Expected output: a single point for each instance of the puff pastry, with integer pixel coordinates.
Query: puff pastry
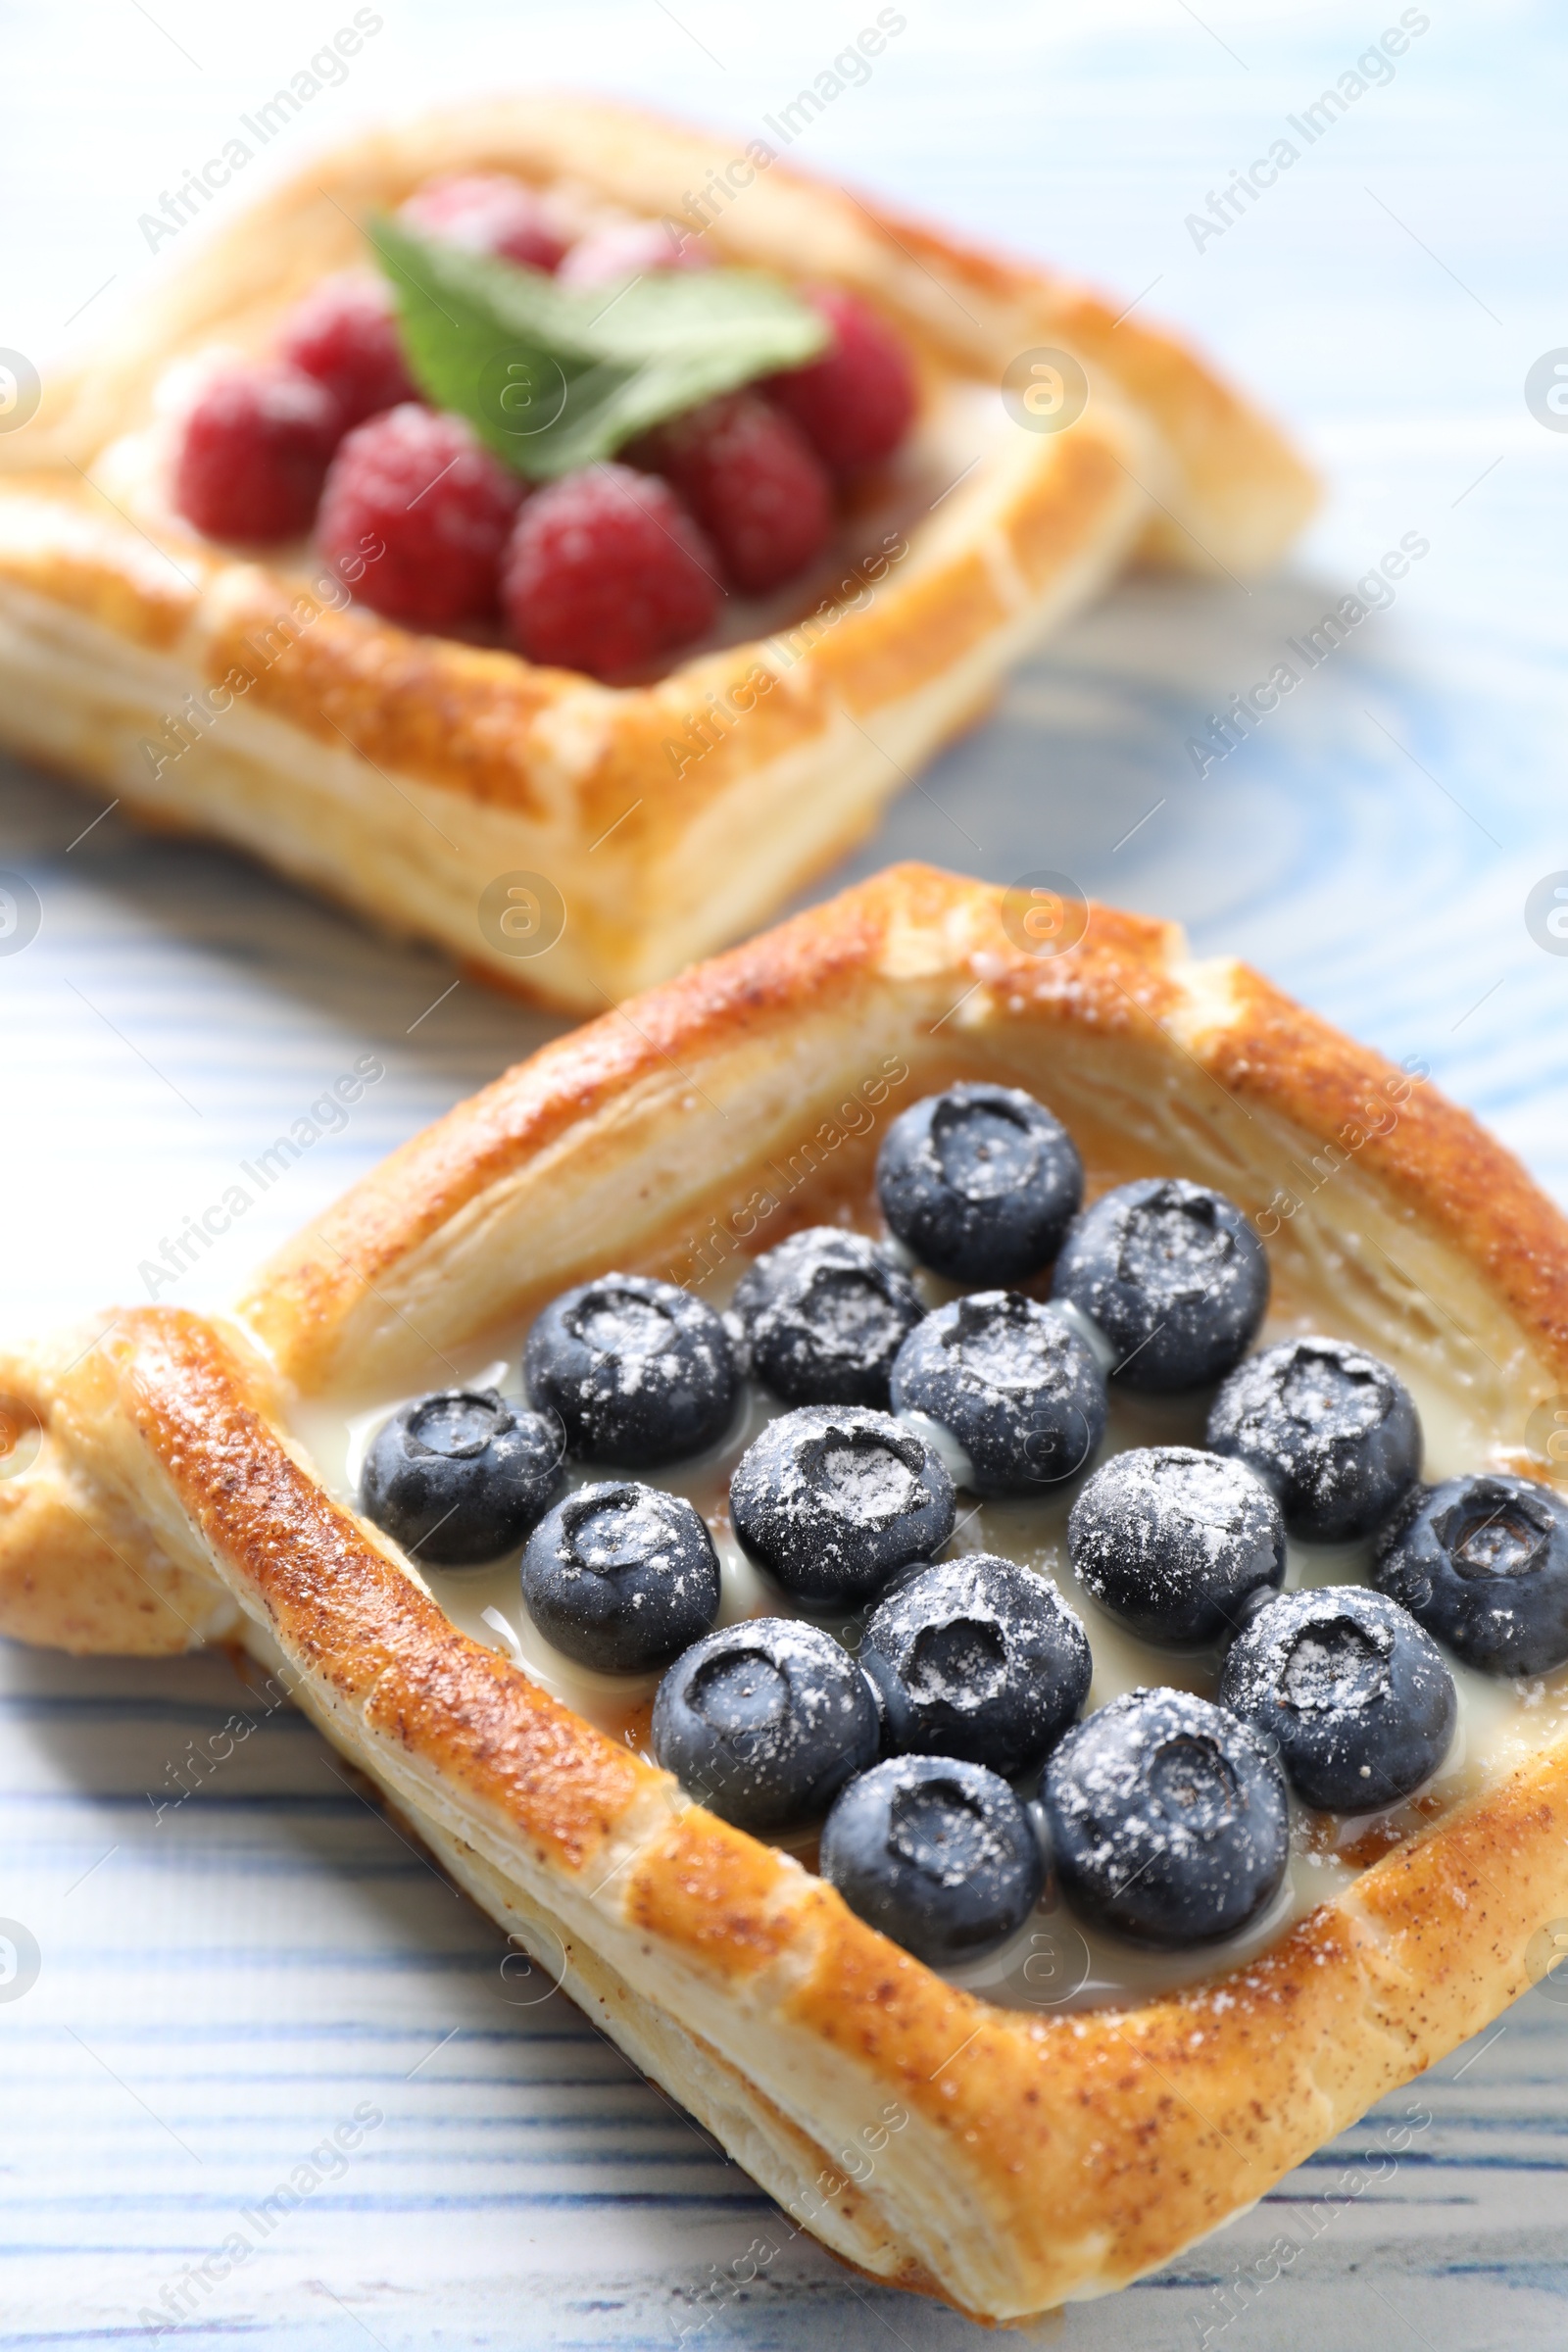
(1041, 2156)
(405, 773)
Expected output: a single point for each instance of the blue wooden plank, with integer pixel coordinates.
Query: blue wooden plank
(245, 1971)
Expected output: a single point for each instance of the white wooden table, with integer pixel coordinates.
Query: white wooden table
(224, 1983)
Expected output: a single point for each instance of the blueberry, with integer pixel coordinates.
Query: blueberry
(824, 1315)
(1332, 1430)
(831, 1502)
(764, 1722)
(460, 1476)
(1172, 1541)
(1168, 1819)
(1353, 1696)
(1483, 1561)
(640, 1373)
(1016, 1388)
(622, 1576)
(977, 1659)
(980, 1182)
(1174, 1275)
(937, 1853)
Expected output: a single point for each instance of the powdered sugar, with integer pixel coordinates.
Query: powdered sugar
(640, 1373)
(832, 1503)
(824, 1315)
(1169, 1819)
(1331, 1429)
(1173, 1540)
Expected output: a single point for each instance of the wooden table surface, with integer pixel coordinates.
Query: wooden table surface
(221, 1984)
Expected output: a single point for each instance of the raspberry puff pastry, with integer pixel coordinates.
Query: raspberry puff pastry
(408, 768)
(1052, 2128)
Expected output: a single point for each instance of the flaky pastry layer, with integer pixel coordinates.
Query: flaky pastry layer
(405, 773)
(1002, 2159)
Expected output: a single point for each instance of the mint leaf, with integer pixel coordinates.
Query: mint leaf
(552, 377)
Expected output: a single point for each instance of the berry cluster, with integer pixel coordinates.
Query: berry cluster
(610, 570)
(1164, 1815)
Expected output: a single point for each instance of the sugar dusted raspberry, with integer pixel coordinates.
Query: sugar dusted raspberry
(254, 452)
(486, 212)
(419, 487)
(857, 402)
(344, 335)
(606, 572)
(753, 482)
(630, 248)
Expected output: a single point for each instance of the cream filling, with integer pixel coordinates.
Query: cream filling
(1055, 1961)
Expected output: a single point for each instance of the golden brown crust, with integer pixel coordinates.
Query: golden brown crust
(456, 715)
(1223, 449)
(61, 544)
(1127, 986)
(1041, 2156)
(1092, 2145)
(1437, 1159)
(405, 772)
(68, 1581)
(344, 1612)
(965, 305)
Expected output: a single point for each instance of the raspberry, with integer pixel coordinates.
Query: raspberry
(255, 449)
(857, 402)
(486, 212)
(627, 249)
(605, 572)
(753, 482)
(343, 335)
(438, 505)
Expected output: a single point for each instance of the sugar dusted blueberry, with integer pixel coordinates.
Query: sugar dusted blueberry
(763, 1722)
(1172, 1274)
(1330, 1428)
(1168, 1820)
(1017, 1391)
(977, 1657)
(1172, 1542)
(825, 1313)
(832, 1500)
(1483, 1562)
(1351, 1694)
(622, 1576)
(640, 1373)
(980, 1182)
(938, 1855)
(460, 1476)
